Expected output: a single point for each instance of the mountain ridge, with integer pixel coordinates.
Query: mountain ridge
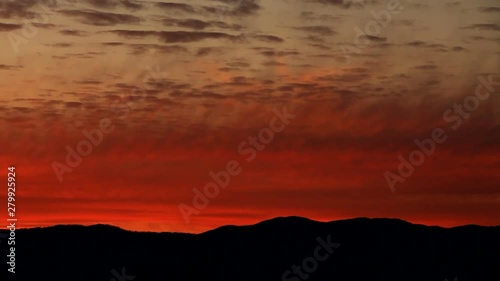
(355, 249)
(285, 219)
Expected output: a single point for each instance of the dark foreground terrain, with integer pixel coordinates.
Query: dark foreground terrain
(357, 249)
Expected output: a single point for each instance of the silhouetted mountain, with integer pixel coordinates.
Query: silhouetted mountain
(370, 249)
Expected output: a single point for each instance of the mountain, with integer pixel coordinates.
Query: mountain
(356, 249)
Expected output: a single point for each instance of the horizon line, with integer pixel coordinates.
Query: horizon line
(245, 225)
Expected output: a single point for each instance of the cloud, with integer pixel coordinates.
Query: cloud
(86, 55)
(187, 23)
(243, 7)
(490, 9)
(73, 104)
(426, 67)
(110, 4)
(232, 8)
(482, 38)
(331, 2)
(458, 49)
(238, 64)
(272, 63)
(273, 53)
(321, 30)
(103, 3)
(223, 25)
(175, 7)
(113, 44)
(484, 26)
(374, 38)
(320, 46)
(132, 5)
(73, 32)
(60, 45)
(204, 51)
(92, 17)
(310, 16)
(269, 38)
(16, 9)
(176, 36)
(89, 82)
(9, 26)
(9, 67)
(200, 24)
(44, 25)
(433, 46)
(138, 49)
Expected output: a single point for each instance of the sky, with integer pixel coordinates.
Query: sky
(176, 89)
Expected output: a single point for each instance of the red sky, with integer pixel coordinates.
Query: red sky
(220, 75)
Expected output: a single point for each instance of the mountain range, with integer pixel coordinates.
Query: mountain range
(280, 249)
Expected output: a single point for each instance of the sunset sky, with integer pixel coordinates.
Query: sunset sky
(220, 67)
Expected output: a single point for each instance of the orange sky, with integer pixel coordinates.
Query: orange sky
(217, 76)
